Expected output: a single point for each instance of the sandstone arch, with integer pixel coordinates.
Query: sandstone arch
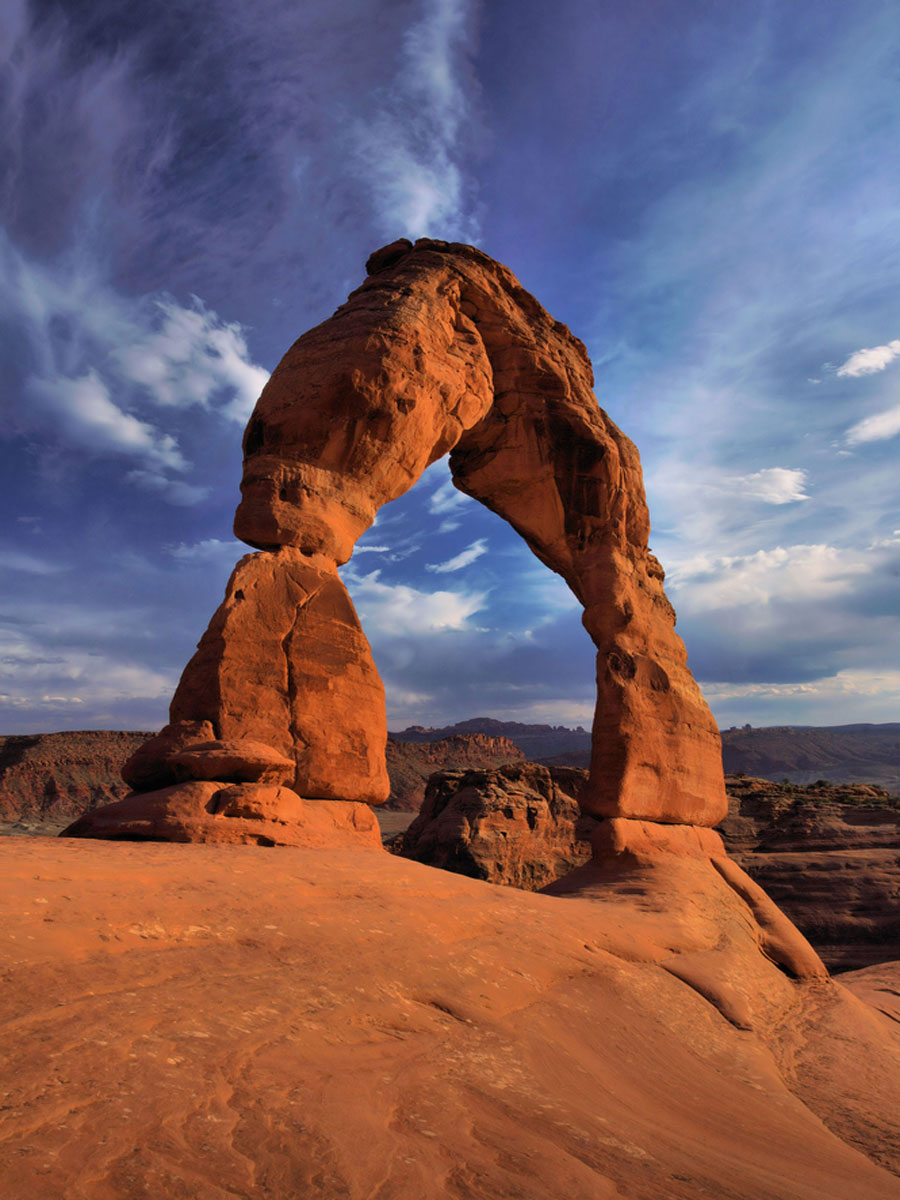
(439, 350)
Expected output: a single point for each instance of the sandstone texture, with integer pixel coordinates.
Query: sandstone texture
(254, 814)
(517, 824)
(829, 856)
(231, 1022)
(411, 764)
(442, 350)
(50, 778)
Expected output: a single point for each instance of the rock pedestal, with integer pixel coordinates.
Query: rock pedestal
(440, 349)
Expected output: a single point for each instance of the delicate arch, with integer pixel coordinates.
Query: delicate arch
(439, 350)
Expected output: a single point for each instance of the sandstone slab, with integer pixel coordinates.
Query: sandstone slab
(240, 760)
(231, 814)
(216, 1021)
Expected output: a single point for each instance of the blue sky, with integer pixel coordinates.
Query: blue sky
(705, 192)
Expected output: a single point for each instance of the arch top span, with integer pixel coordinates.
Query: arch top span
(439, 350)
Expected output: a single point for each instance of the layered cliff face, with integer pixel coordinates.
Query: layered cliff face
(829, 855)
(411, 764)
(440, 350)
(53, 777)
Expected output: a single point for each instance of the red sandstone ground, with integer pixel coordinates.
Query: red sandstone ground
(212, 1022)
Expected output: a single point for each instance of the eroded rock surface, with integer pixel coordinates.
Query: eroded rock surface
(441, 349)
(518, 824)
(217, 1021)
(53, 777)
(829, 855)
(254, 814)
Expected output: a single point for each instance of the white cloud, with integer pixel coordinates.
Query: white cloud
(175, 491)
(92, 361)
(72, 676)
(793, 573)
(87, 417)
(463, 559)
(879, 427)
(774, 485)
(843, 683)
(870, 360)
(407, 151)
(191, 358)
(390, 609)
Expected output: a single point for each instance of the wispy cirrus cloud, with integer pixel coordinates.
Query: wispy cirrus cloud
(774, 485)
(409, 152)
(464, 559)
(95, 366)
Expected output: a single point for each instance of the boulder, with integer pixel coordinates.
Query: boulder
(240, 760)
(518, 824)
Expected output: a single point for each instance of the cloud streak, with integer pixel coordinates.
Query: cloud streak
(877, 428)
(408, 153)
(464, 559)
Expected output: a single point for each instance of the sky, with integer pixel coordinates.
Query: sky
(704, 191)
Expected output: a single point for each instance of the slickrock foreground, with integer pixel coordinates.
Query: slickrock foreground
(237, 1023)
(440, 350)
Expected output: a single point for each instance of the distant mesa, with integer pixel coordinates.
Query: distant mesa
(440, 350)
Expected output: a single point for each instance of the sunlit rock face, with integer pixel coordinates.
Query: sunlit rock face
(439, 350)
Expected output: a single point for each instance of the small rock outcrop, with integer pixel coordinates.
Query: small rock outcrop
(518, 824)
(440, 350)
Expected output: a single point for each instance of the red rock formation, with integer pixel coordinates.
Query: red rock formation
(829, 856)
(439, 350)
(514, 825)
(238, 814)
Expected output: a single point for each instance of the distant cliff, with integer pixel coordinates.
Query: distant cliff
(54, 777)
(803, 754)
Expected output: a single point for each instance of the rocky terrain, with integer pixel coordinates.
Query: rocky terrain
(518, 824)
(536, 742)
(798, 754)
(829, 856)
(232, 1021)
(47, 780)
